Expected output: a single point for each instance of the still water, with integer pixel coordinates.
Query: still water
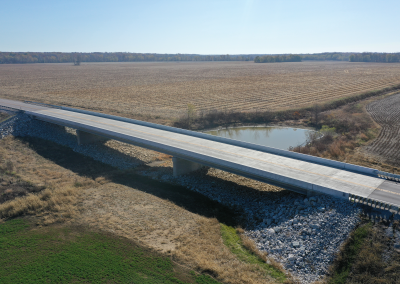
(277, 137)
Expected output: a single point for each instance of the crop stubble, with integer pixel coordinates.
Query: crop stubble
(165, 89)
(386, 113)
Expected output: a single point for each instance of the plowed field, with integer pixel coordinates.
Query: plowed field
(386, 113)
(165, 89)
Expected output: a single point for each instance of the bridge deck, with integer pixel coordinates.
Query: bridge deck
(271, 168)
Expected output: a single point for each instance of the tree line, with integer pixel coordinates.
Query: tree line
(277, 58)
(75, 57)
(65, 57)
(375, 57)
(327, 56)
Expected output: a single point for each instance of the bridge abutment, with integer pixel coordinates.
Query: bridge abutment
(182, 166)
(86, 137)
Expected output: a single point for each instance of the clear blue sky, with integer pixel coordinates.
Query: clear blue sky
(203, 27)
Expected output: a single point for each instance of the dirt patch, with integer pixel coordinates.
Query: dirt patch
(386, 113)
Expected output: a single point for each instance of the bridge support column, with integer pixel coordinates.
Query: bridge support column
(182, 166)
(86, 138)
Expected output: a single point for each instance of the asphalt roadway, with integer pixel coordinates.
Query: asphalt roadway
(282, 171)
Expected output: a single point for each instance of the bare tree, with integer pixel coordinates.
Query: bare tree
(191, 114)
(316, 111)
(77, 59)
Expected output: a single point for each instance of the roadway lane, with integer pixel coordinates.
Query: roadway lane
(388, 191)
(21, 106)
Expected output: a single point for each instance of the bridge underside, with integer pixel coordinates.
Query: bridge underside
(87, 138)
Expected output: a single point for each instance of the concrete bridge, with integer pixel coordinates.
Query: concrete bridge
(192, 150)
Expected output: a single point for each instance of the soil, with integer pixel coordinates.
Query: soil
(386, 113)
(161, 91)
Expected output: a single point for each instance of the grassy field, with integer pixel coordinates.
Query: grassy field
(76, 255)
(163, 90)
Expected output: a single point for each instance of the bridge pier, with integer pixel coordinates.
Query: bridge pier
(182, 166)
(86, 137)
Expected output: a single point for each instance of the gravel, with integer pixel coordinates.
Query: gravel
(303, 234)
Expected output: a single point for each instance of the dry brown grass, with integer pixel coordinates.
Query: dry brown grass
(369, 260)
(55, 189)
(54, 205)
(205, 251)
(163, 90)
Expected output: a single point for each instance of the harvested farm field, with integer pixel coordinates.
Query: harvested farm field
(386, 113)
(163, 90)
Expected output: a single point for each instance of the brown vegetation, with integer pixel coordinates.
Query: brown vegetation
(368, 257)
(33, 185)
(163, 90)
(3, 116)
(349, 133)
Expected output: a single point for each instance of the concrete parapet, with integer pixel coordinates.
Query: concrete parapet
(86, 137)
(182, 166)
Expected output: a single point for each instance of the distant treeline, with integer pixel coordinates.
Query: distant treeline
(277, 58)
(64, 57)
(375, 57)
(334, 56)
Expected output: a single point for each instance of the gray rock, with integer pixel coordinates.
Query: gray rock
(389, 232)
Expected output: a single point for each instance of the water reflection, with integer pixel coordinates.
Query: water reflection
(277, 137)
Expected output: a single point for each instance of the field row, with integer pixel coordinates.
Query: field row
(386, 113)
(165, 89)
(277, 100)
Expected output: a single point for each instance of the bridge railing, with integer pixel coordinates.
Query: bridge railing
(375, 203)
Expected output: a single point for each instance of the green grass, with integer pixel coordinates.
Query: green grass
(4, 117)
(233, 241)
(72, 255)
(347, 258)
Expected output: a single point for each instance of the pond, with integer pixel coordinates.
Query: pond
(277, 137)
